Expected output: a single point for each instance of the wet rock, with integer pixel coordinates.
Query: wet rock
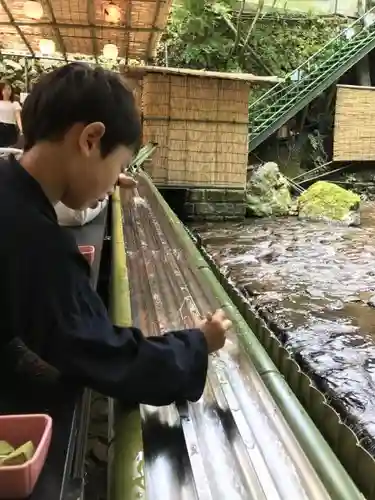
(267, 192)
(293, 208)
(327, 201)
(371, 301)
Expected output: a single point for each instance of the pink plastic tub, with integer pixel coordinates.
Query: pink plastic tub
(18, 481)
(88, 251)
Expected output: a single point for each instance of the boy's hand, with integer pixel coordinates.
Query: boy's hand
(126, 182)
(214, 328)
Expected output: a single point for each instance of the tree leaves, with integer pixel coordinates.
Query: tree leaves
(23, 72)
(12, 65)
(198, 36)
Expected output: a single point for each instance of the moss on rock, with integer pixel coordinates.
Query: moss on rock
(327, 201)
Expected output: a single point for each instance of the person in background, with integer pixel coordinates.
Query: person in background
(81, 127)
(10, 116)
(68, 217)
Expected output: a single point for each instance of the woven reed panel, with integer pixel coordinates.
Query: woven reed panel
(83, 30)
(201, 126)
(136, 85)
(354, 132)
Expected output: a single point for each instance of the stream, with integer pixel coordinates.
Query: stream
(315, 282)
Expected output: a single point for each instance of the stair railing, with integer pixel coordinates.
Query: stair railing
(280, 88)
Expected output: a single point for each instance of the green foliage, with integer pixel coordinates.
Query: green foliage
(198, 37)
(12, 69)
(285, 45)
(208, 34)
(23, 72)
(202, 34)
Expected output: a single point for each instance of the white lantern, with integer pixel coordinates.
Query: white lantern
(33, 10)
(110, 51)
(112, 13)
(46, 46)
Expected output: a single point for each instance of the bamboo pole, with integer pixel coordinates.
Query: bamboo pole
(126, 474)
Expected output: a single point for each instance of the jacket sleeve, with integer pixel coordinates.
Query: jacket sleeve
(125, 365)
(122, 363)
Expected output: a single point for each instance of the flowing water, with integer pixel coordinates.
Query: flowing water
(315, 282)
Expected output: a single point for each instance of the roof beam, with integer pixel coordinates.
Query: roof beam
(55, 28)
(42, 24)
(91, 20)
(151, 37)
(42, 57)
(128, 20)
(16, 27)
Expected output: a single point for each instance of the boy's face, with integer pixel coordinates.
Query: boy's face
(89, 175)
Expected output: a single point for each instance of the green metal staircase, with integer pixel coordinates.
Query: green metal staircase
(283, 101)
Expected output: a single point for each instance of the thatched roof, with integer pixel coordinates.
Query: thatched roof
(80, 27)
(245, 77)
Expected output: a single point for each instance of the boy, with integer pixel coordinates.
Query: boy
(80, 128)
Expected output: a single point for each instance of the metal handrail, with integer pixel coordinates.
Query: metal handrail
(282, 92)
(314, 56)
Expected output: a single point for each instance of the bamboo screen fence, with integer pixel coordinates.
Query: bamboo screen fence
(136, 84)
(82, 27)
(354, 130)
(201, 127)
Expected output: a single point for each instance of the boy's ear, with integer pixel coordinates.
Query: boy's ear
(90, 137)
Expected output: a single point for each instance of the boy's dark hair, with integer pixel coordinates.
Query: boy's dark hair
(77, 93)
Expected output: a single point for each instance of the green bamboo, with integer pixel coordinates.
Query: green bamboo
(331, 472)
(143, 154)
(120, 303)
(126, 464)
(127, 474)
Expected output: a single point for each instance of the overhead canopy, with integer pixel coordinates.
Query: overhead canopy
(85, 26)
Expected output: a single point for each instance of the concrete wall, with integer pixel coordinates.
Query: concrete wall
(344, 7)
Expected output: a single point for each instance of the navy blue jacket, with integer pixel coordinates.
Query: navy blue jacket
(51, 316)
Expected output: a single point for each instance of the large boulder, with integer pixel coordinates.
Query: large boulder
(267, 192)
(326, 201)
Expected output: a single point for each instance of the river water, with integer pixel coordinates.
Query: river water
(316, 283)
